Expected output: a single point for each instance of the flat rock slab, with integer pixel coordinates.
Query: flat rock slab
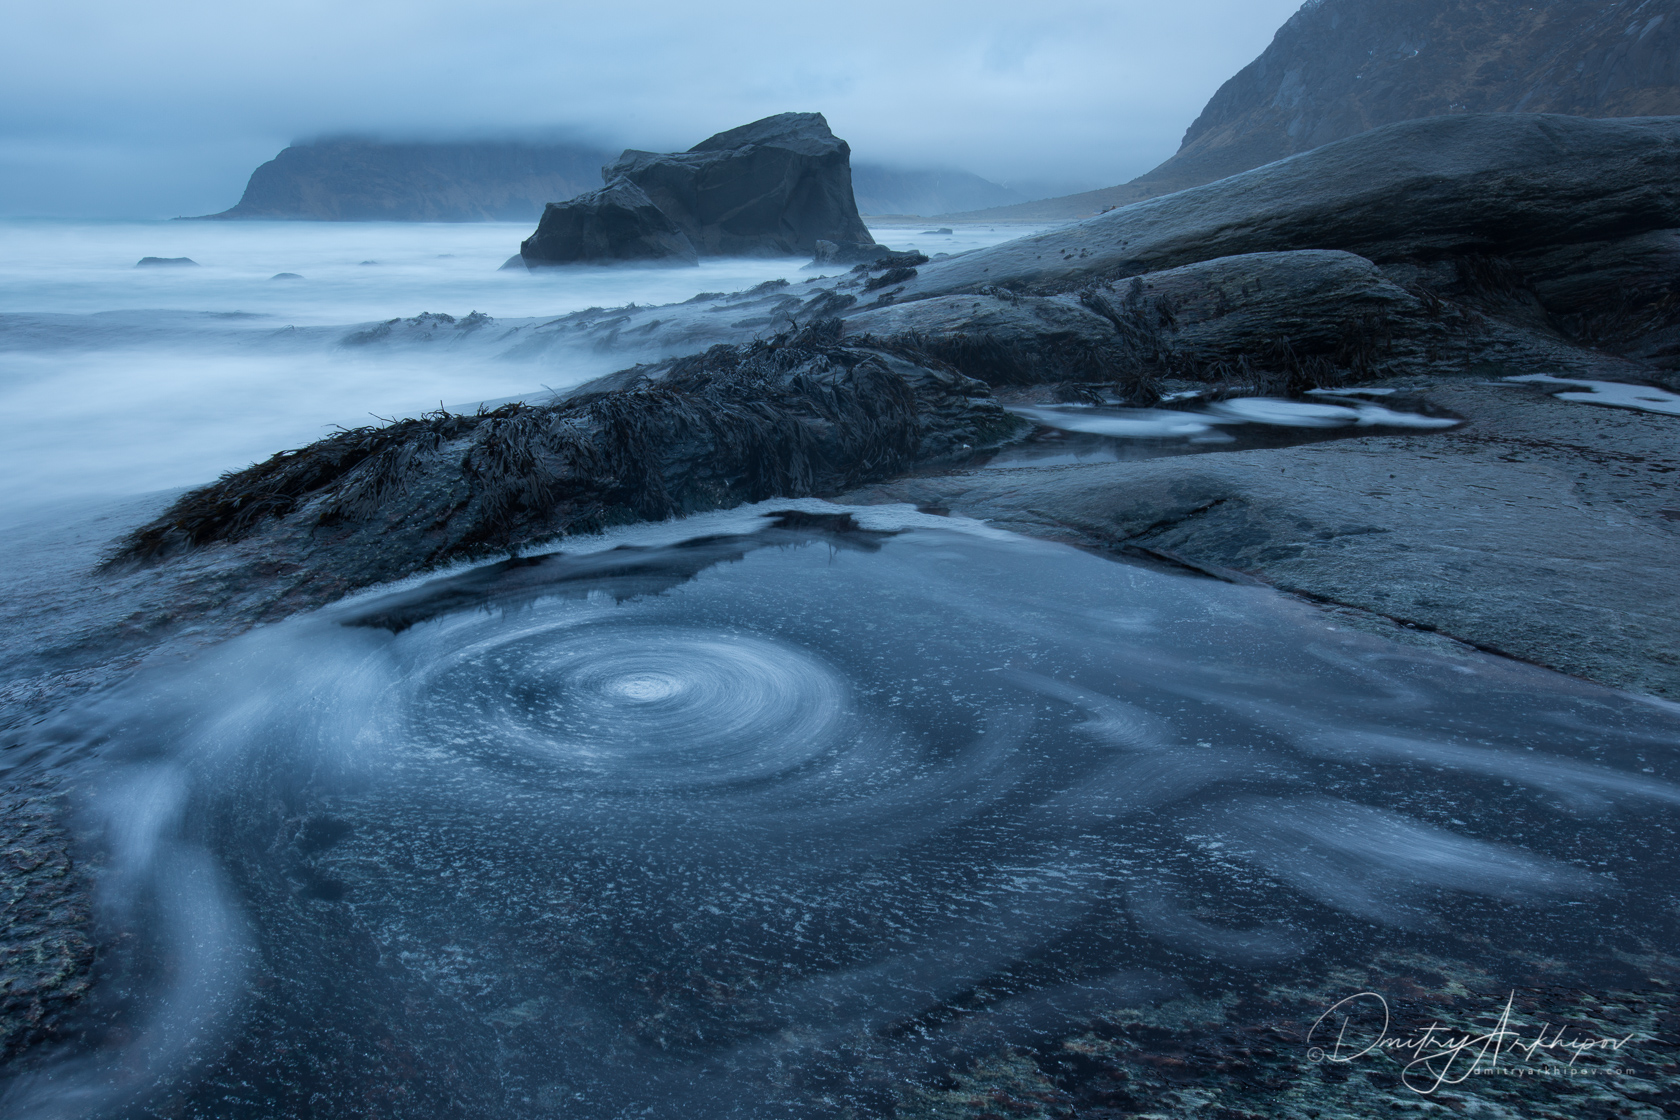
(1536, 530)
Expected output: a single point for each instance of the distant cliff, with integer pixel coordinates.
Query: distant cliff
(352, 180)
(1340, 67)
(889, 190)
(367, 181)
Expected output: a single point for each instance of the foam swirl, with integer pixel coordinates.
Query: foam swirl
(639, 706)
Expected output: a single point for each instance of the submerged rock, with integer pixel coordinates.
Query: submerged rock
(771, 188)
(616, 223)
(165, 262)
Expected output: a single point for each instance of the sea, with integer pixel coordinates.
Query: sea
(125, 379)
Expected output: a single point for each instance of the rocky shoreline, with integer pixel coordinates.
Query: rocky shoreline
(1540, 529)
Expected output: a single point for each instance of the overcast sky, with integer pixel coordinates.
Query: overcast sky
(151, 110)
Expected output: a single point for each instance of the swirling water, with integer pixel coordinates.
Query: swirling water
(783, 818)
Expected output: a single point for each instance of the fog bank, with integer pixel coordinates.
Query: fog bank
(116, 111)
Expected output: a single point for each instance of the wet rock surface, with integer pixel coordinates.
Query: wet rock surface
(1252, 1053)
(1537, 529)
(46, 938)
(1523, 243)
(796, 416)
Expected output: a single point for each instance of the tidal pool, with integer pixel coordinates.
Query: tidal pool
(805, 815)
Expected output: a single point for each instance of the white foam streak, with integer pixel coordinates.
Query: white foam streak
(1582, 787)
(1614, 394)
(1381, 865)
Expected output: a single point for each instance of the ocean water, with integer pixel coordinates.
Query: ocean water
(124, 380)
(804, 816)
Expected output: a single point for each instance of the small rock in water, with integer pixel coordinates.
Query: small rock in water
(285, 276)
(370, 262)
(848, 252)
(942, 230)
(165, 262)
(515, 263)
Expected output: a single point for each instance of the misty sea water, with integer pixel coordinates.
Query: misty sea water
(131, 379)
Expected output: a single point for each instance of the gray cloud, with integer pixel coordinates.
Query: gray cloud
(118, 109)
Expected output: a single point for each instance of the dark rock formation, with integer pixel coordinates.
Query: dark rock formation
(426, 327)
(1340, 67)
(1279, 322)
(1533, 242)
(1422, 190)
(796, 416)
(285, 276)
(771, 188)
(165, 262)
(616, 223)
(366, 180)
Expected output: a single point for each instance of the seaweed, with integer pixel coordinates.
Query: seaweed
(890, 277)
(791, 416)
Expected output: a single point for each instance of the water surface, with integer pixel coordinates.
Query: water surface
(796, 816)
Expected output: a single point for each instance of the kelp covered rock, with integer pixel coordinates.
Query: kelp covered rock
(794, 416)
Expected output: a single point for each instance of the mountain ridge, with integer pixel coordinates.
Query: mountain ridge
(364, 179)
(1337, 68)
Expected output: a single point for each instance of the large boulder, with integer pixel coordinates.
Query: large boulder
(616, 223)
(772, 188)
